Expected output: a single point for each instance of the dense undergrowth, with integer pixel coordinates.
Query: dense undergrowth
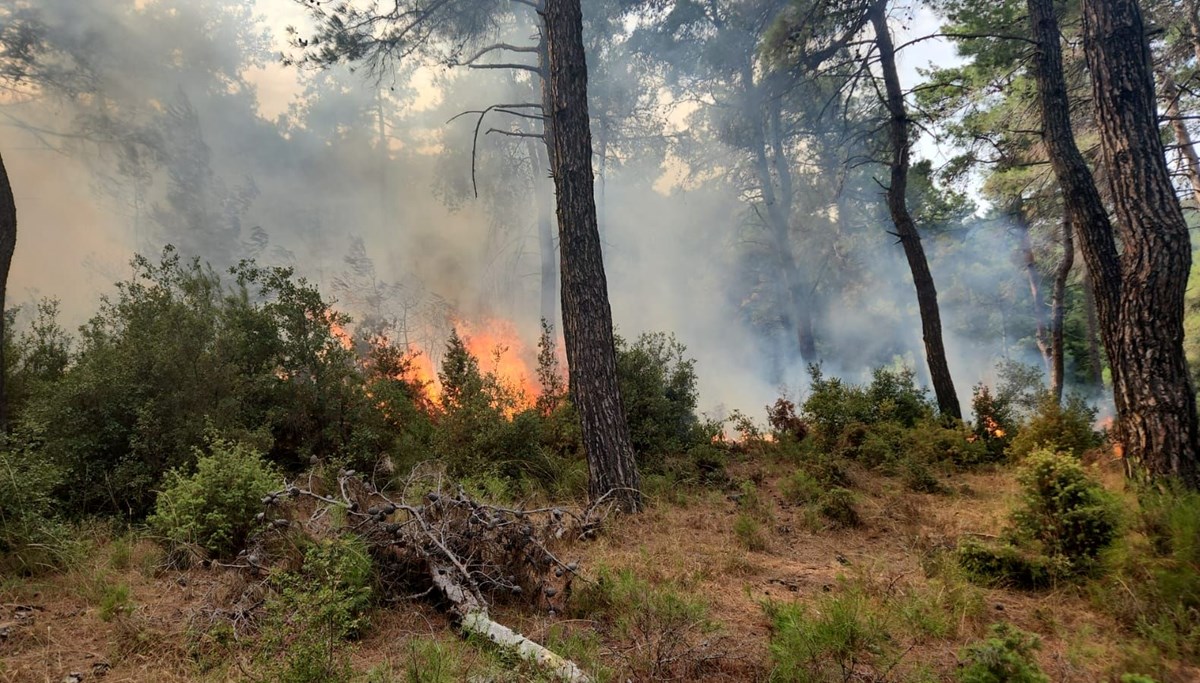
(187, 398)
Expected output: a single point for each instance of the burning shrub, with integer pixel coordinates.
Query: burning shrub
(995, 421)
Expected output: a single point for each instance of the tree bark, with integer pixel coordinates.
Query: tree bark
(906, 229)
(587, 317)
(1159, 422)
(8, 244)
(1058, 309)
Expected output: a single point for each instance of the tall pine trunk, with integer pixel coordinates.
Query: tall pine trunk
(1058, 309)
(906, 229)
(1159, 424)
(587, 317)
(1042, 333)
(1183, 137)
(8, 244)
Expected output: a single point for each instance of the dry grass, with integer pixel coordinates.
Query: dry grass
(690, 548)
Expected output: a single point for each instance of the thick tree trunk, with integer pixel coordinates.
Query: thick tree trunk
(1159, 423)
(8, 244)
(906, 229)
(1058, 309)
(587, 317)
(1183, 137)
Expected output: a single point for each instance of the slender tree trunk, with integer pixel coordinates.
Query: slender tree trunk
(1095, 358)
(1183, 137)
(1059, 307)
(906, 229)
(545, 231)
(8, 244)
(587, 317)
(1042, 331)
(1159, 426)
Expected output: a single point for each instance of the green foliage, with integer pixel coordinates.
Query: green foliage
(801, 488)
(1155, 587)
(1064, 511)
(1005, 564)
(32, 539)
(314, 610)
(918, 477)
(934, 442)
(833, 405)
(659, 621)
(658, 389)
(115, 601)
(1065, 427)
(749, 532)
(836, 640)
(837, 506)
(1005, 656)
(214, 507)
(1065, 521)
(995, 421)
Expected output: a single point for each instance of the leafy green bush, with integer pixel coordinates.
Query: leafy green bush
(1064, 511)
(1065, 427)
(658, 390)
(1005, 564)
(314, 610)
(918, 477)
(1005, 656)
(214, 507)
(32, 539)
(995, 423)
(749, 532)
(837, 505)
(833, 405)
(1063, 524)
(801, 488)
(932, 441)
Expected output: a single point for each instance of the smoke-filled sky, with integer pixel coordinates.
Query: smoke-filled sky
(244, 156)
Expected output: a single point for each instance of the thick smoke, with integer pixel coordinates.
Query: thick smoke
(191, 132)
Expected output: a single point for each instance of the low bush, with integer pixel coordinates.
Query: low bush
(214, 506)
(841, 638)
(1065, 427)
(837, 506)
(32, 540)
(1005, 656)
(314, 610)
(1065, 520)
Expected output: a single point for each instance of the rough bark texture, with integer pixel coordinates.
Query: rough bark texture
(1159, 423)
(1058, 308)
(906, 229)
(587, 317)
(8, 244)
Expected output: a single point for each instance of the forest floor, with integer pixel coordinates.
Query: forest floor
(121, 616)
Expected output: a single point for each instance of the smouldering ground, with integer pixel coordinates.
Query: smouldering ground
(54, 625)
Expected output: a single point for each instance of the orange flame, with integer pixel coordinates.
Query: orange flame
(500, 350)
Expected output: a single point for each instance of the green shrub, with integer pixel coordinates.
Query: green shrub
(1005, 656)
(749, 532)
(842, 638)
(115, 601)
(32, 540)
(995, 423)
(1064, 511)
(933, 441)
(658, 390)
(1005, 564)
(314, 611)
(1155, 587)
(214, 507)
(837, 505)
(918, 477)
(1065, 427)
(801, 488)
